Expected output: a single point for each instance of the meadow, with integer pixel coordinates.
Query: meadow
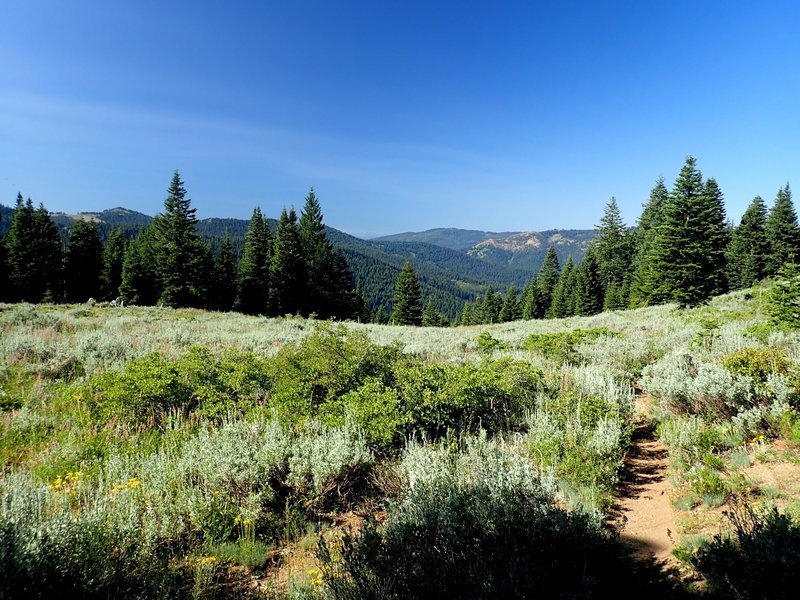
(156, 452)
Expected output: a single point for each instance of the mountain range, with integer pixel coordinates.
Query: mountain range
(453, 265)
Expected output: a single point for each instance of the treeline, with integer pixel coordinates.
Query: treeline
(295, 271)
(682, 250)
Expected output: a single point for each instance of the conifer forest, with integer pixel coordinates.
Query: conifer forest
(274, 409)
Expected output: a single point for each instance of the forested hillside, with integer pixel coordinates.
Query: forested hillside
(682, 250)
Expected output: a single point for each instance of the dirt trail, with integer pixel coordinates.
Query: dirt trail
(643, 513)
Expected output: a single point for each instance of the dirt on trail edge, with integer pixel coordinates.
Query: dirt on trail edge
(643, 512)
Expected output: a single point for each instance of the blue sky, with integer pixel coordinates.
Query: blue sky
(404, 116)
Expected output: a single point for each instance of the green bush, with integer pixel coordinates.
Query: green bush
(325, 366)
(759, 558)
(562, 347)
(487, 344)
(151, 387)
(478, 524)
(757, 363)
(493, 395)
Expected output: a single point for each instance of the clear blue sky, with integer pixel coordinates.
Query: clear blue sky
(501, 116)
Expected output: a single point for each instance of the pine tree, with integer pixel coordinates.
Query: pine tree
(329, 281)
(50, 252)
(113, 259)
(644, 237)
(431, 317)
(84, 263)
(613, 248)
(287, 269)
(749, 248)
(783, 232)
(407, 298)
(225, 275)
(362, 313)
(589, 292)
(179, 251)
(35, 254)
(511, 310)
(253, 279)
(717, 239)
(381, 315)
(560, 305)
(546, 279)
(140, 284)
(687, 256)
(491, 306)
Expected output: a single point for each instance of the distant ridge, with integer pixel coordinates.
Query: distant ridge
(454, 265)
(447, 237)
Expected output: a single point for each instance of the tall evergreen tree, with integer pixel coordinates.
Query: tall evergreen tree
(562, 303)
(589, 290)
(179, 251)
(287, 268)
(613, 248)
(644, 237)
(253, 279)
(511, 310)
(113, 260)
(362, 313)
(687, 261)
(717, 238)
(541, 294)
(407, 298)
(83, 267)
(491, 306)
(329, 286)
(783, 232)
(50, 252)
(381, 316)
(140, 284)
(749, 248)
(225, 275)
(35, 254)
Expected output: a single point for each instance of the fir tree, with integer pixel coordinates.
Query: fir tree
(749, 248)
(589, 291)
(491, 306)
(381, 315)
(511, 310)
(113, 259)
(225, 275)
(560, 304)
(407, 298)
(35, 254)
(50, 250)
(140, 283)
(84, 263)
(717, 239)
(253, 278)
(431, 317)
(179, 251)
(362, 313)
(644, 236)
(687, 256)
(287, 269)
(613, 248)
(783, 232)
(546, 279)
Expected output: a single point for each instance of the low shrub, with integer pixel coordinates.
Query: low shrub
(562, 347)
(480, 524)
(758, 558)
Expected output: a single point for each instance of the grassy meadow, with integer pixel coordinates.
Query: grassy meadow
(154, 452)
